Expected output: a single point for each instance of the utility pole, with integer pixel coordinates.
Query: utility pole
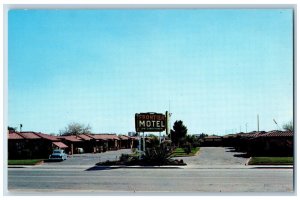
(246, 126)
(257, 123)
(276, 124)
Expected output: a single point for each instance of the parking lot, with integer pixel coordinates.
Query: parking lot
(208, 157)
(89, 158)
(216, 157)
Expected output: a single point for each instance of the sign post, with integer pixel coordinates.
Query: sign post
(149, 122)
(144, 142)
(140, 141)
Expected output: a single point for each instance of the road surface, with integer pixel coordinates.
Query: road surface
(200, 176)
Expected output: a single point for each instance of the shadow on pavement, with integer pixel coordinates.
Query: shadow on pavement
(242, 155)
(49, 161)
(97, 168)
(94, 168)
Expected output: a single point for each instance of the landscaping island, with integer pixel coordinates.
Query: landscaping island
(158, 156)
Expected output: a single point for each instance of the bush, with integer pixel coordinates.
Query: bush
(124, 157)
(157, 155)
(187, 148)
(133, 150)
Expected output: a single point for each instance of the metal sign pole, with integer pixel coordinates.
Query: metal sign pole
(159, 137)
(139, 145)
(144, 142)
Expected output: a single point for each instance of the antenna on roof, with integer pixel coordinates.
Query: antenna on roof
(276, 124)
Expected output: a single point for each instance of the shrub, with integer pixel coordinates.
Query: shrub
(187, 148)
(157, 155)
(124, 157)
(133, 150)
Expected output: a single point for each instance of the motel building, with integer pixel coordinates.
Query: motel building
(30, 145)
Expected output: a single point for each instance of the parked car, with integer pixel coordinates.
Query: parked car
(58, 154)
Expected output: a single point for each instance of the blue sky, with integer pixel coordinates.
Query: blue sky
(217, 68)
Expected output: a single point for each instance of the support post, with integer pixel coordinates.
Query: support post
(140, 141)
(159, 137)
(144, 142)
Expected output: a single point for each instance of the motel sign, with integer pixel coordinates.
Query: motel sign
(150, 122)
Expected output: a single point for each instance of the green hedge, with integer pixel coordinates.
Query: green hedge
(24, 162)
(179, 152)
(271, 161)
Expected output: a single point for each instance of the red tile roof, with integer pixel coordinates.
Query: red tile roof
(134, 137)
(60, 145)
(47, 137)
(97, 136)
(85, 137)
(213, 137)
(14, 136)
(277, 134)
(112, 137)
(71, 138)
(104, 136)
(124, 137)
(29, 135)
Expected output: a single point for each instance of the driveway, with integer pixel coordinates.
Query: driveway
(215, 157)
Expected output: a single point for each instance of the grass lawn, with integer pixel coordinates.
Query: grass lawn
(179, 152)
(24, 162)
(271, 161)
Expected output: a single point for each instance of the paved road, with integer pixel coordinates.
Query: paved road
(149, 180)
(213, 170)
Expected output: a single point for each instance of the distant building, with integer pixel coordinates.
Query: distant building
(132, 134)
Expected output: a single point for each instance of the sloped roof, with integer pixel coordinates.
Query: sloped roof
(97, 136)
(124, 137)
(14, 136)
(29, 135)
(134, 137)
(213, 137)
(60, 145)
(277, 134)
(112, 137)
(71, 138)
(105, 136)
(85, 137)
(47, 137)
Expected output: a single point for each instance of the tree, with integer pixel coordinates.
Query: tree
(178, 133)
(202, 135)
(12, 128)
(288, 126)
(193, 140)
(75, 128)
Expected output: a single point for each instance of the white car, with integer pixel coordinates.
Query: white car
(58, 154)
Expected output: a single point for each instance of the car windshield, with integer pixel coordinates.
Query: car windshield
(57, 151)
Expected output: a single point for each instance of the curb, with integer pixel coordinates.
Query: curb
(141, 167)
(25, 166)
(20, 166)
(248, 160)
